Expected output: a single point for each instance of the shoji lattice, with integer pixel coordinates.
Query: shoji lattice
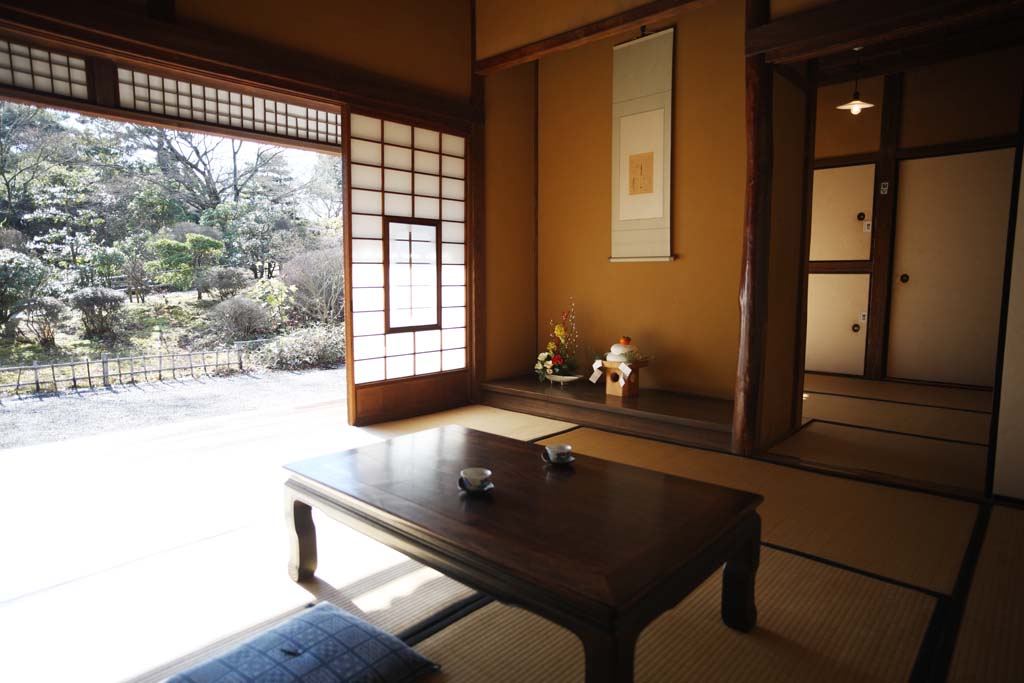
(194, 102)
(33, 68)
(404, 172)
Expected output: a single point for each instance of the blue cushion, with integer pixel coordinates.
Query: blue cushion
(323, 644)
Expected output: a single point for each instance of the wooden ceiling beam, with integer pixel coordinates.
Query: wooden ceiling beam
(847, 24)
(588, 33)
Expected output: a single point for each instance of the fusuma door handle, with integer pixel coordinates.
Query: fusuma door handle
(856, 327)
(904, 278)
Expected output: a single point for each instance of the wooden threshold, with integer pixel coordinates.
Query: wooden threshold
(664, 415)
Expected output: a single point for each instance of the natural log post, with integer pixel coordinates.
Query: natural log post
(756, 235)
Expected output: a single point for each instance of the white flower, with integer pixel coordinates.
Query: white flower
(550, 372)
(548, 364)
(542, 356)
(538, 366)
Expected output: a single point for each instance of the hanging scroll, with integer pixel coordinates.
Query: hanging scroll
(642, 148)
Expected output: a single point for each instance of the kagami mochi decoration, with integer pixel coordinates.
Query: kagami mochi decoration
(557, 363)
(621, 368)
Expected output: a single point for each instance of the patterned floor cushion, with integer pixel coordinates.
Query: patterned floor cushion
(323, 644)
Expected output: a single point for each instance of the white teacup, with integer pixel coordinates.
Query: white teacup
(476, 477)
(559, 452)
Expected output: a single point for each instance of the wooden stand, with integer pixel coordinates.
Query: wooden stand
(611, 378)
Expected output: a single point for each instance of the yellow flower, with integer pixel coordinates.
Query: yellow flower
(560, 331)
(551, 347)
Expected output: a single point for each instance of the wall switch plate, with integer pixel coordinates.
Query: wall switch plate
(884, 188)
(867, 226)
(863, 317)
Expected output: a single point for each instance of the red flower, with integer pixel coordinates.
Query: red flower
(557, 360)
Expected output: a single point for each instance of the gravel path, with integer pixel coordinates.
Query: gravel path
(31, 420)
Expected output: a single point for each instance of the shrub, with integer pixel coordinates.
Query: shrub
(223, 282)
(22, 279)
(42, 317)
(276, 298)
(12, 239)
(318, 282)
(100, 308)
(241, 318)
(320, 346)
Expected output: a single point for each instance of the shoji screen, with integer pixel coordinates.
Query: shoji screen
(407, 244)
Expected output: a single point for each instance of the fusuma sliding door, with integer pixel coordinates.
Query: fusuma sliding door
(407, 265)
(951, 224)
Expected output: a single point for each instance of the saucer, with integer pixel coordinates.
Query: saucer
(465, 487)
(546, 458)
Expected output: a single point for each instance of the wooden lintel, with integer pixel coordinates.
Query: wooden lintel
(588, 33)
(848, 24)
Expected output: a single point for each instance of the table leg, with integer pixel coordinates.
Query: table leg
(609, 659)
(739, 610)
(301, 539)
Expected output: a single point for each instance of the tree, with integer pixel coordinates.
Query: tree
(32, 142)
(254, 231)
(223, 281)
(22, 279)
(318, 282)
(135, 258)
(323, 193)
(72, 254)
(181, 264)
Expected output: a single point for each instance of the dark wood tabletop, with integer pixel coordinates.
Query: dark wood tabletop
(590, 541)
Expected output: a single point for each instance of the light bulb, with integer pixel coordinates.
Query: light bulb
(855, 109)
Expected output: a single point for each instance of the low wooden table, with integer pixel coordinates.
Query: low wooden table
(598, 547)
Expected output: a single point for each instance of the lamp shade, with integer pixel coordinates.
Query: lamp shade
(856, 105)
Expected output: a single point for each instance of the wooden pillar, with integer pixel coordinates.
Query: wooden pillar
(476, 236)
(883, 235)
(756, 235)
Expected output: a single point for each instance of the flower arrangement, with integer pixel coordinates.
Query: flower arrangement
(559, 358)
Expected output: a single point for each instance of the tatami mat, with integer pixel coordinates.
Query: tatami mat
(921, 394)
(815, 623)
(428, 592)
(911, 537)
(943, 423)
(915, 458)
(484, 418)
(989, 645)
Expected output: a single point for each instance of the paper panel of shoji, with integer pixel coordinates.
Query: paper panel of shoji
(403, 171)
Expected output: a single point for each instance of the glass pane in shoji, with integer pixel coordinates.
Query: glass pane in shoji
(412, 272)
(365, 127)
(366, 177)
(368, 371)
(401, 344)
(453, 253)
(398, 205)
(453, 275)
(427, 363)
(367, 275)
(454, 145)
(453, 338)
(400, 366)
(453, 360)
(427, 185)
(428, 139)
(397, 181)
(367, 299)
(398, 157)
(365, 201)
(366, 226)
(367, 251)
(453, 232)
(427, 162)
(398, 133)
(428, 340)
(427, 207)
(453, 188)
(453, 168)
(453, 317)
(453, 296)
(452, 210)
(364, 152)
(368, 347)
(368, 323)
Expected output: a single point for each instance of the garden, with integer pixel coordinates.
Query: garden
(126, 240)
